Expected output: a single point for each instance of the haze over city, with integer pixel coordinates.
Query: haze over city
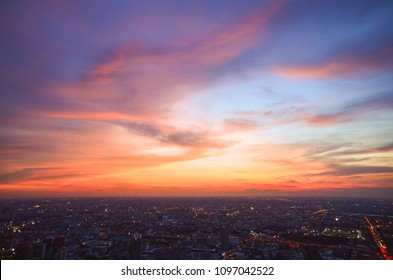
(196, 98)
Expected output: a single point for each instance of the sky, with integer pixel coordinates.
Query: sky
(196, 98)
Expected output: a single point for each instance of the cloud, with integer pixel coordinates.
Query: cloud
(353, 159)
(348, 66)
(141, 81)
(241, 124)
(21, 175)
(325, 119)
(375, 103)
(378, 101)
(337, 159)
(355, 151)
(104, 99)
(385, 148)
(341, 170)
(182, 138)
(325, 148)
(132, 77)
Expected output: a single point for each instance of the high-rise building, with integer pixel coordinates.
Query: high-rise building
(63, 253)
(46, 253)
(165, 220)
(21, 250)
(58, 243)
(136, 248)
(224, 237)
(43, 252)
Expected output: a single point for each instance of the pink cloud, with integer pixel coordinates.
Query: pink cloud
(349, 67)
(136, 83)
(325, 119)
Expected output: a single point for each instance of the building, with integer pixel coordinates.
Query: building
(224, 237)
(136, 248)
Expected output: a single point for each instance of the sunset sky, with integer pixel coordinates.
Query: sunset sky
(163, 98)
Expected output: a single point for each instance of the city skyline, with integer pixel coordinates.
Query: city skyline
(247, 228)
(196, 98)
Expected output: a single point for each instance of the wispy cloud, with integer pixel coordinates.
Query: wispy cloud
(349, 66)
(183, 138)
(342, 170)
(241, 124)
(376, 103)
(21, 175)
(343, 150)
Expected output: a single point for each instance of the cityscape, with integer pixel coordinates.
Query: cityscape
(196, 130)
(221, 228)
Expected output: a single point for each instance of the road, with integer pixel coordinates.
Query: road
(378, 240)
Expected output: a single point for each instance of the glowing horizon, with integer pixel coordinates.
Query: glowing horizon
(212, 98)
